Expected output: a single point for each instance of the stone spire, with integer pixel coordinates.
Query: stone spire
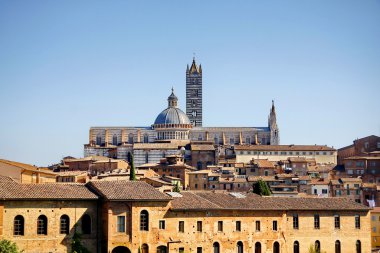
(272, 125)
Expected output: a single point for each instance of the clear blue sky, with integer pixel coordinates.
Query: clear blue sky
(69, 65)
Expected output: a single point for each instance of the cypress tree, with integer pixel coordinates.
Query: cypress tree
(132, 172)
(261, 188)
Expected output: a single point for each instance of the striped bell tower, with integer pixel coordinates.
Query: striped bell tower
(194, 93)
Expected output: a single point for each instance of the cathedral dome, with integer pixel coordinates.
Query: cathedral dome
(172, 115)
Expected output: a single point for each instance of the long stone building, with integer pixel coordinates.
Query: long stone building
(125, 216)
(176, 129)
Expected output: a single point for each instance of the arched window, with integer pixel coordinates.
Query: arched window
(18, 225)
(296, 247)
(216, 140)
(98, 140)
(337, 246)
(146, 138)
(239, 246)
(216, 247)
(317, 246)
(247, 140)
(114, 140)
(257, 247)
(130, 138)
(42, 223)
(146, 157)
(358, 246)
(144, 220)
(145, 248)
(64, 224)
(86, 224)
(276, 247)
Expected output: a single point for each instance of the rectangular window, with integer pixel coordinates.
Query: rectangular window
(220, 226)
(316, 221)
(238, 226)
(295, 221)
(199, 249)
(199, 226)
(181, 226)
(357, 221)
(337, 221)
(274, 225)
(161, 224)
(121, 224)
(196, 186)
(257, 225)
(181, 250)
(324, 191)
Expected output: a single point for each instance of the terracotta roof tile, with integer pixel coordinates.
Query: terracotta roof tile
(202, 147)
(127, 190)
(74, 191)
(208, 200)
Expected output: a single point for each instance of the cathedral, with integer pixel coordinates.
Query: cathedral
(174, 129)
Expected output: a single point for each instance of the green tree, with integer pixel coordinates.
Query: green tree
(76, 244)
(132, 173)
(314, 249)
(261, 188)
(7, 246)
(176, 187)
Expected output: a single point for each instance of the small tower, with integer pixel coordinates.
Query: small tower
(194, 94)
(272, 125)
(172, 99)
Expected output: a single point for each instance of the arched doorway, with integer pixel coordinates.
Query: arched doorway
(161, 249)
(121, 249)
(276, 247)
(257, 247)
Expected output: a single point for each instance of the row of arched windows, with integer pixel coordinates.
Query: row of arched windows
(42, 225)
(144, 226)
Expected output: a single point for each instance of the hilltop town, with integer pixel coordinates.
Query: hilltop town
(179, 186)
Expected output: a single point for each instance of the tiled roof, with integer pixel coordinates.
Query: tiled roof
(362, 158)
(127, 190)
(202, 147)
(264, 178)
(284, 148)
(5, 179)
(208, 200)
(263, 163)
(349, 180)
(64, 191)
(71, 173)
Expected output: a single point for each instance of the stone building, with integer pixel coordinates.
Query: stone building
(176, 128)
(321, 154)
(42, 218)
(123, 216)
(363, 146)
(26, 173)
(134, 216)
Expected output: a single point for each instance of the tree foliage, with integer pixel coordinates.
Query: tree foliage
(176, 187)
(76, 244)
(7, 246)
(314, 249)
(132, 172)
(261, 188)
